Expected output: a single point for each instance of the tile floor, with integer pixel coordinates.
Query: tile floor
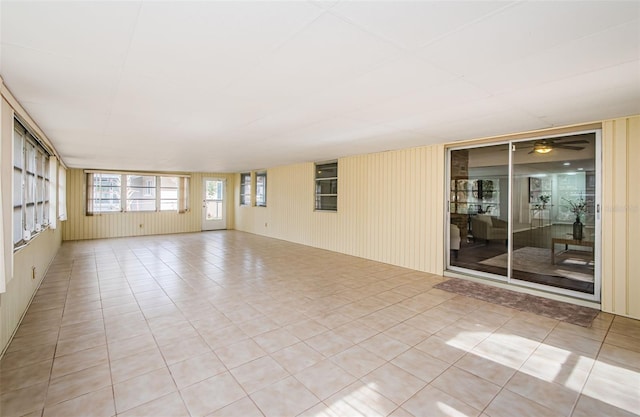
(232, 324)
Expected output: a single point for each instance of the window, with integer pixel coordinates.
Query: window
(327, 186)
(261, 189)
(129, 192)
(104, 193)
(169, 193)
(31, 185)
(245, 189)
(141, 193)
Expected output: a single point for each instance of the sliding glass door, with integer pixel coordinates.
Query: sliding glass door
(526, 212)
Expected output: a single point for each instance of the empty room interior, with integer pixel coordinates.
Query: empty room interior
(320, 208)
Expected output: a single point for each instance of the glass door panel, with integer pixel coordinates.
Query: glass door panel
(213, 204)
(553, 206)
(478, 209)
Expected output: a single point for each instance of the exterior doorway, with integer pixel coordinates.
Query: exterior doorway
(213, 204)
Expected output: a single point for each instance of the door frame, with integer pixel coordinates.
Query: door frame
(508, 280)
(207, 225)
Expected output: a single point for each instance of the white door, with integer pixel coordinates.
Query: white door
(213, 204)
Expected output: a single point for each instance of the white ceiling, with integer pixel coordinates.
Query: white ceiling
(232, 86)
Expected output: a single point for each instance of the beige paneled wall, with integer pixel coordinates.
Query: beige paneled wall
(621, 217)
(37, 254)
(26, 267)
(390, 208)
(79, 226)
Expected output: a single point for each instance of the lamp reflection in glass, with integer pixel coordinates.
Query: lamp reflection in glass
(542, 148)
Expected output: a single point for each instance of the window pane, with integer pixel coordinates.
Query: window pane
(17, 187)
(245, 189)
(261, 189)
(169, 182)
(169, 205)
(141, 205)
(326, 203)
(106, 192)
(17, 225)
(18, 151)
(327, 170)
(327, 187)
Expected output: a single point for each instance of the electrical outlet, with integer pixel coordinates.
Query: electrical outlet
(141, 225)
(265, 224)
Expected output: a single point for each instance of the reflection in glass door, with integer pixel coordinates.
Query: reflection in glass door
(213, 204)
(526, 212)
(479, 209)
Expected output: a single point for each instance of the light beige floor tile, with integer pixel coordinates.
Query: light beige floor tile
(623, 341)
(92, 325)
(297, 357)
(358, 399)
(401, 412)
(407, 334)
(77, 361)
(324, 410)
(143, 389)
(212, 394)
(25, 376)
(355, 331)
(244, 407)
(75, 384)
(466, 387)
(98, 403)
(22, 401)
(169, 335)
(431, 401)
(548, 394)
(137, 364)
(329, 343)
(509, 404)
(420, 364)
(440, 349)
(358, 361)
(259, 374)
(25, 357)
(184, 349)
(127, 347)
(184, 291)
(394, 383)
(169, 405)
(486, 368)
(589, 407)
(196, 369)
(285, 398)
(571, 342)
(80, 343)
(614, 385)
(626, 358)
(553, 364)
(222, 337)
(324, 378)
(275, 340)
(306, 329)
(239, 353)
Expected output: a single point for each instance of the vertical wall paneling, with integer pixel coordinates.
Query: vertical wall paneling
(620, 217)
(389, 208)
(21, 285)
(633, 217)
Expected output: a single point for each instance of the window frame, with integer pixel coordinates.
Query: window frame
(31, 177)
(261, 189)
(124, 200)
(245, 189)
(319, 180)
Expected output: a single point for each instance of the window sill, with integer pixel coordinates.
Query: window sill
(24, 243)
